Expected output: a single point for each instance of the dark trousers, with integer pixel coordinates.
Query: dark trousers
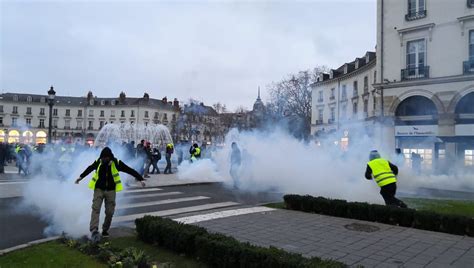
(168, 164)
(155, 167)
(388, 193)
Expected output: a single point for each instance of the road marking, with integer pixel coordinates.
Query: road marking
(150, 195)
(161, 202)
(169, 212)
(13, 182)
(222, 214)
(142, 190)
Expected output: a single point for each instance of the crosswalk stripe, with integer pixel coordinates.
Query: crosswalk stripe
(150, 195)
(13, 182)
(169, 212)
(142, 190)
(222, 214)
(161, 202)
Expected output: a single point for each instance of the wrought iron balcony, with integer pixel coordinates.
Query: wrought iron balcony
(415, 73)
(415, 15)
(468, 66)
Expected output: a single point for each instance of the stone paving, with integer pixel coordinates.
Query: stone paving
(376, 245)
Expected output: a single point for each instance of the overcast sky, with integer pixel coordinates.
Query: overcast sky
(207, 50)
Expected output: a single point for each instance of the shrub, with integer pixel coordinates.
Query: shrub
(425, 220)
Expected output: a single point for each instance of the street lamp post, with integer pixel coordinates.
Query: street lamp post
(51, 95)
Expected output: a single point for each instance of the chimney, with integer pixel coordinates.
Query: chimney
(176, 103)
(164, 100)
(122, 97)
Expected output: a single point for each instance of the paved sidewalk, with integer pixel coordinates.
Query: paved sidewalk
(374, 245)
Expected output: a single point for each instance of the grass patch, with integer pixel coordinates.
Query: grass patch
(443, 206)
(50, 254)
(164, 257)
(279, 205)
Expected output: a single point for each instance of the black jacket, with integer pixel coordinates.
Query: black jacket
(368, 171)
(106, 180)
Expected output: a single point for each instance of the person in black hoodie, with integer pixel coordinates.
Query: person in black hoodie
(106, 182)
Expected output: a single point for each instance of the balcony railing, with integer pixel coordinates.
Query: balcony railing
(415, 73)
(319, 122)
(415, 15)
(90, 128)
(468, 66)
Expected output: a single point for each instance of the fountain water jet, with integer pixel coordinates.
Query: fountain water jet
(157, 134)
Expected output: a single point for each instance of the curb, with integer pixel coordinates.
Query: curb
(29, 244)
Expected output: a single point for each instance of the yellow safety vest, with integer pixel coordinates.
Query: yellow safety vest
(115, 174)
(382, 172)
(197, 152)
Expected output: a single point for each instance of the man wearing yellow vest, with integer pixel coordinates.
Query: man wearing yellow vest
(384, 173)
(106, 182)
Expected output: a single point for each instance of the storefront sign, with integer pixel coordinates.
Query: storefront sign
(416, 131)
(465, 130)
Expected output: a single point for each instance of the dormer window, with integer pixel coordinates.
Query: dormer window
(112, 102)
(29, 99)
(43, 100)
(15, 98)
(102, 102)
(367, 58)
(331, 74)
(345, 68)
(91, 102)
(357, 64)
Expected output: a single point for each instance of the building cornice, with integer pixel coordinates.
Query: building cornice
(430, 81)
(428, 27)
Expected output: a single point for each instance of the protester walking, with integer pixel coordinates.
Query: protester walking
(156, 156)
(169, 152)
(106, 183)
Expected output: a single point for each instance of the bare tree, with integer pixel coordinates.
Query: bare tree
(219, 107)
(241, 109)
(290, 101)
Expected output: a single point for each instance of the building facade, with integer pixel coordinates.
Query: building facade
(425, 54)
(421, 84)
(344, 100)
(24, 118)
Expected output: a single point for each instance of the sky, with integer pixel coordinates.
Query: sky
(212, 51)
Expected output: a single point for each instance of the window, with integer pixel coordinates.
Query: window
(102, 102)
(28, 110)
(68, 112)
(366, 84)
(156, 115)
(415, 57)
(344, 92)
(41, 125)
(112, 102)
(55, 112)
(375, 77)
(14, 121)
(320, 96)
(132, 113)
(1, 108)
(1, 121)
(67, 124)
(78, 124)
(79, 113)
(366, 107)
(91, 113)
(354, 109)
(333, 114)
(469, 157)
(15, 98)
(146, 114)
(333, 92)
(112, 113)
(320, 115)
(426, 155)
(43, 100)
(375, 103)
(41, 111)
(416, 10)
(55, 123)
(102, 113)
(28, 122)
(122, 114)
(91, 125)
(470, 3)
(15, 109)
(355, 91)
(344, 111)
(29, 99)
(471, 45)
(101, 124)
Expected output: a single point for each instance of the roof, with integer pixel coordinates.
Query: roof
(82, 101)
(200, 109)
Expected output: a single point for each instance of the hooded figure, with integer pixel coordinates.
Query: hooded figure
(384, 173)
(106, 183)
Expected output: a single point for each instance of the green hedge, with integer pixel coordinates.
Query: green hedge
(218, 250)
(425, 220)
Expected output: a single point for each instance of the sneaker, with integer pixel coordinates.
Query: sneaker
(105, 234)
(95, 237)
